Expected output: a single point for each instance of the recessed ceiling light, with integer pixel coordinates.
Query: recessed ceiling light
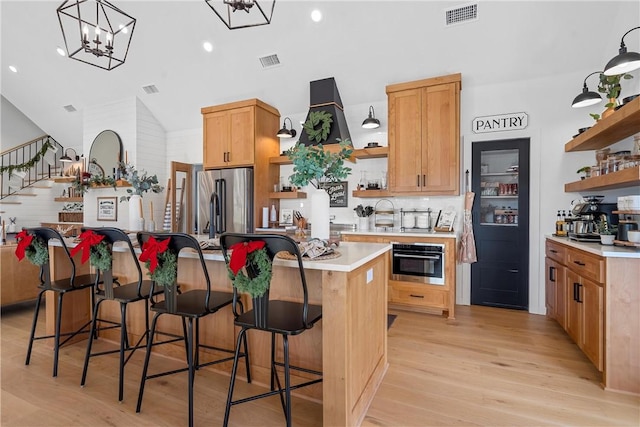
(316, 15)
(61, 51)
(12, 68)
(207, 46)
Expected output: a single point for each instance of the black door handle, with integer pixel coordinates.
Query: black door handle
(552, 276)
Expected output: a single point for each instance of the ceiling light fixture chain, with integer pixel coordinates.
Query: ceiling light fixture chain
(112, 31)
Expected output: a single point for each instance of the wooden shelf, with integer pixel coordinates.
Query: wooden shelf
(63, 178)
(288, 195)
(622, 123)
(371, 153)
(371, 193)
(621, 179)
(68, 199)
(625, 212)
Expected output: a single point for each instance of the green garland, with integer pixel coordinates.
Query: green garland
(37, 252)
(316, 118)
(82, 186)
(100, 256)
(166, 273)
(259, 285)
(27, 165)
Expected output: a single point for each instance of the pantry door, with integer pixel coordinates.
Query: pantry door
(500, 181)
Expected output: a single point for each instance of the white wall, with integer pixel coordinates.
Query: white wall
(15, 127)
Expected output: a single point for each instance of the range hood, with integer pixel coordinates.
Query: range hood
(325, 97)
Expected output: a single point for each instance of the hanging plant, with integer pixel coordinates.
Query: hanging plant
(27, 165)
(322, 119)
(252, 256)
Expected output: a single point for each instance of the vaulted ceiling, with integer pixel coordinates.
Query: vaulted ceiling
(365, 45)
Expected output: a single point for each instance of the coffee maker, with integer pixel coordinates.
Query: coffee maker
(590, 215)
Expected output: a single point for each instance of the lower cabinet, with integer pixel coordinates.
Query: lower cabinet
(416, 296)
(575, 297)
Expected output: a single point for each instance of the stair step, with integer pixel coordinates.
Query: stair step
(4, 202)
(40, 186)
(25, 194)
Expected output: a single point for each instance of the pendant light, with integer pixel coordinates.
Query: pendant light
(587, 97)
(371, 122)
(625, 61)
(66, 158)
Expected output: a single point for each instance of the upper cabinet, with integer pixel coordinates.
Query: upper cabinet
(424, 136)
(619, 125)
(232, 131)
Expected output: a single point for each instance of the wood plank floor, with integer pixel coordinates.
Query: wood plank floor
(489, 367)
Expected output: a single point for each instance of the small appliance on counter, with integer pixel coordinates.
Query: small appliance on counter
(590, 215)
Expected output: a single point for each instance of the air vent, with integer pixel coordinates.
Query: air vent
(150, 89)
(462, 14)
(70, 108)
(269, 61)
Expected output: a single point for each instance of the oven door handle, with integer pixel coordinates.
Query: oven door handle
(416, 256)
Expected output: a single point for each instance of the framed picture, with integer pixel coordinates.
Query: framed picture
(107, 208)
(445, 220)
(338, 192)
(286, 216)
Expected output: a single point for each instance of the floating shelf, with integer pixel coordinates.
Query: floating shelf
(63, 178)
(622, 123)
(371, 153)
(68, 199)
(621, 179)
(288, 195)
(623, 212)
(371, 193)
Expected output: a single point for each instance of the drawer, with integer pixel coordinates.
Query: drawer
(420, 295)
(556, 251)
(586, 265)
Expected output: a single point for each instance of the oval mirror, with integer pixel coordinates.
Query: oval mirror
(106, 152)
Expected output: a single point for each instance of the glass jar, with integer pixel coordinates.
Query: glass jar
(614, 163)
(602, 154)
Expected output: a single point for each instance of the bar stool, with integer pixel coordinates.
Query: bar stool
(112, 290)
(190, 306)
(285, 318)
(61, 287)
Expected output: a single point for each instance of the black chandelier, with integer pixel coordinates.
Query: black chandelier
(96, 32)
(226, 11)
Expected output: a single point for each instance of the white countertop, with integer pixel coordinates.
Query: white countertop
(397, 232)
(599, 249)
(352, 256)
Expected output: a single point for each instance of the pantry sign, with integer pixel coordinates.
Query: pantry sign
(500, 122)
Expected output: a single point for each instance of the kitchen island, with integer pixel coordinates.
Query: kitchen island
(349, 345)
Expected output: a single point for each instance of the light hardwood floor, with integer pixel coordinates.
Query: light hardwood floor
(489, 367)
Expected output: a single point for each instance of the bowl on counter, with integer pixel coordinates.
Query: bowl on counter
(634, 236)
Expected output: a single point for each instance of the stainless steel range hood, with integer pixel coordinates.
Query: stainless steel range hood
(324, 96)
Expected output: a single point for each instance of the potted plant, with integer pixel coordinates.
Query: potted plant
(607, 233)
(585, 171)
(610, 86)
(315, 165)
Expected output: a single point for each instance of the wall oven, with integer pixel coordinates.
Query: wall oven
(418, 262)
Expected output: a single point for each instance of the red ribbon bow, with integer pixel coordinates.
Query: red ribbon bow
(240, 252)
(150, 250)
(87, 239)
(24, 241)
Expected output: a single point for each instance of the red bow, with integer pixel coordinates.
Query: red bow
(150, 250)
(240, 252)
(24, 241)
(87, 239)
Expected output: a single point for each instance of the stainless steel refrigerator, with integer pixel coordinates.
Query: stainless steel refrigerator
(228, 193)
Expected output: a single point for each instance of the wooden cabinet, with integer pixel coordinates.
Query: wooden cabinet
(621, 124)
(243, 134)
(18, 279)
(414, 296)
(424, 136)
(575, 296)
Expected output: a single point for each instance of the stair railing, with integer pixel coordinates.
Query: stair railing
(45, 166)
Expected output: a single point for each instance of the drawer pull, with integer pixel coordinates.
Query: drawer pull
(553, 251)
(513, 270)
(581, 264)
(416, 296)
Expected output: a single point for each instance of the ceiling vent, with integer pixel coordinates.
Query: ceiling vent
(269, 61)
(150, 89)
(70, 108)
(462, 14)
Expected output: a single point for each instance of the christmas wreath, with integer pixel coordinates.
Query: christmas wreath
(160, 261)
(34, 248)
(314, 119)
(252, 256)
(93, 249)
